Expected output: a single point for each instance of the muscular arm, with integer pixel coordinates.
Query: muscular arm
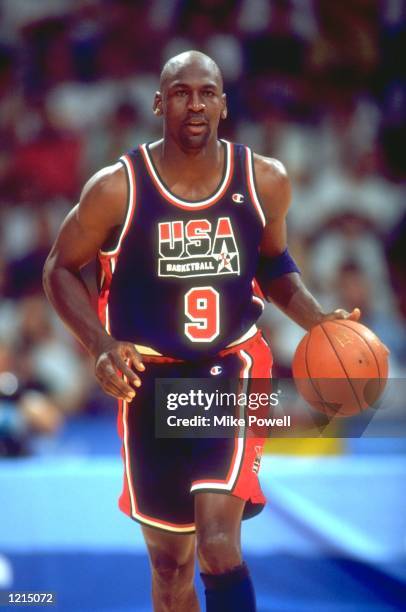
(288, 292)
(102, 208)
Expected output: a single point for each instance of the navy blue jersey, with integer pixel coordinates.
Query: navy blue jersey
(180, 277)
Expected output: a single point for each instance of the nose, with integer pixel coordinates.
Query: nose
(195, 102)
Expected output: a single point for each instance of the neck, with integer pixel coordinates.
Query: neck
(171, 157)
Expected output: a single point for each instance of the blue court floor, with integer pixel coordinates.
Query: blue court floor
(331, 538)
(116, 582)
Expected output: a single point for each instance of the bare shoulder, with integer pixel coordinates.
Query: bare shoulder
(270, 167)
(273, 184)
(105, 194)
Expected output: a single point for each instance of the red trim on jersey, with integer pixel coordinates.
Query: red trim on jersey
(160, 359)
(251, 185)
(246, 345)
(191, 206)
(133, 203)
(108, 259)
(258, 291)
(107, 267)
(258, 295)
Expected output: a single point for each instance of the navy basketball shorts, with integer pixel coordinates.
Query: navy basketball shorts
(161, 475)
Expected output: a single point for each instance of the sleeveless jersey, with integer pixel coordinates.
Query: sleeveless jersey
(180, 277)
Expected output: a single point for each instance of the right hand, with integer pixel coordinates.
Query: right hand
(119, 357)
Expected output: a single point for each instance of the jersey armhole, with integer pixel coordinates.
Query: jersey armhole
(131, 202)
(249, 158)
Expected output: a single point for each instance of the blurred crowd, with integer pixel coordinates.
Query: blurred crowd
(319, 85)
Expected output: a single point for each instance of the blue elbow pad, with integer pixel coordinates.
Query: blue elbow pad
(273, 267)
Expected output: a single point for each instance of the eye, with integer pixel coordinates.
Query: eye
(209, 94)
(180, 93)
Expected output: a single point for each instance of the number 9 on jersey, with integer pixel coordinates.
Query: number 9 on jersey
(202, 308)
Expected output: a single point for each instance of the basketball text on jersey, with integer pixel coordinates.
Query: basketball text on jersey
(197, 248)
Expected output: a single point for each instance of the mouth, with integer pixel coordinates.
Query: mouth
(196, 127)
(196, 120)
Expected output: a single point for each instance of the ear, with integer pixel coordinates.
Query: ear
(224, 109)
(157, 105)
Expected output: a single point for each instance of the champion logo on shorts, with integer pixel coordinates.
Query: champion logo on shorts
(216, 370)
(238, 198)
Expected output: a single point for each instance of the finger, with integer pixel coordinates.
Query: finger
(117, 393)
(340, 313)
(355, 315)
(126, 371)
(107, 375)
(136, 359)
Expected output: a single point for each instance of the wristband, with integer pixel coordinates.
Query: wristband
(270, 268)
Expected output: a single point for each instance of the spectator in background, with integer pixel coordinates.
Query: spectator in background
(396, 254)
(8, 321)
(121, 130)
(55, 364)
(339, 67)
(352, 286)
(26, 407)
(47, 163)
(25, 271)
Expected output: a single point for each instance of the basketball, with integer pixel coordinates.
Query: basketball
(340, 367)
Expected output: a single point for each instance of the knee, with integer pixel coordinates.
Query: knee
(169, 568)
(218, 552)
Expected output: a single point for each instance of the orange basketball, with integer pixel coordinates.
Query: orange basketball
(340, 367)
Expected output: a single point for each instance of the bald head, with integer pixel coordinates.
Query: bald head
(191, 100)
(176, 65)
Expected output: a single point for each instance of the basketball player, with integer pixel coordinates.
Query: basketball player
(189, 233)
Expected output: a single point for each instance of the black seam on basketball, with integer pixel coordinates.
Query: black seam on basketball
(308, 373)
(366, 342)
(342, 365)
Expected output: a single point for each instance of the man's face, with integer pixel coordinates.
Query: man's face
(192, 103)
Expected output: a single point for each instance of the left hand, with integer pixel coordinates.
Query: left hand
(340, 313)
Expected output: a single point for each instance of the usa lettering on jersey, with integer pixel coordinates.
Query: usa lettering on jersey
(197, 248)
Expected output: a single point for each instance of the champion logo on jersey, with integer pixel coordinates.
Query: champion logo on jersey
(237, 198)
(216, 370)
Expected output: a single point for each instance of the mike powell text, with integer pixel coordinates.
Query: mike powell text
(228, 421)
